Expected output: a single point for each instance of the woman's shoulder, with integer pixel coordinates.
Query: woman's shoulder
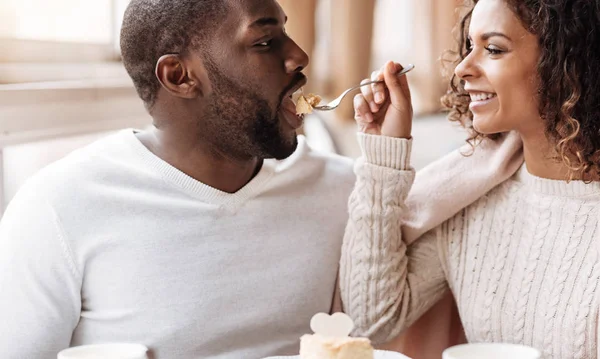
(500, 200)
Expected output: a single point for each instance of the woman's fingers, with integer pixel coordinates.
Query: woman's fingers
(398, 116)
(368, 95)
(378, 89)
(397, 86)
(362, 111)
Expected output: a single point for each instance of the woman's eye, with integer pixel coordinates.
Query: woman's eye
(493, 50)
(468, 46)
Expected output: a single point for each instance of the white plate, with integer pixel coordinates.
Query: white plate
(491, 351)
(107, 350)
(379, 354)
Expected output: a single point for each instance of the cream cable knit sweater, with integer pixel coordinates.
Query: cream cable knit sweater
(522, 262)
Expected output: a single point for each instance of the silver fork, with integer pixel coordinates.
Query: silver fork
(335, 103)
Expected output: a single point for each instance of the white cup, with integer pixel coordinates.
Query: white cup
(491, 351)
(105, 351)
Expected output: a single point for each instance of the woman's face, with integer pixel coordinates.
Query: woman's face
(500, 72)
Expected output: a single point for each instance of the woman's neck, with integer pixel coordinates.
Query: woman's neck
(542, 161)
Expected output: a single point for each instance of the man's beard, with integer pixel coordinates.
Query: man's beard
(241, 124)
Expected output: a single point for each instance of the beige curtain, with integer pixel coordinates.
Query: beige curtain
(349, 52)
(349, 56)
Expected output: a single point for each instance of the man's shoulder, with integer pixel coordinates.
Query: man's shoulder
(89, 162)
(339, 164)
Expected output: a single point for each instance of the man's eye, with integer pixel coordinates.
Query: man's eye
(264, 43)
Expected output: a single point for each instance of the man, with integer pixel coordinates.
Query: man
(216, 234)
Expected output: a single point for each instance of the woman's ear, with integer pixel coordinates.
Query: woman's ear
(175, 77)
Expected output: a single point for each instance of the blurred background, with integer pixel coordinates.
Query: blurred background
(62, 84)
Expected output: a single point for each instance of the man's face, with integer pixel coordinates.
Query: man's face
(253, 68)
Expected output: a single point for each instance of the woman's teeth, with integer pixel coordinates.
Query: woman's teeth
(482, 96)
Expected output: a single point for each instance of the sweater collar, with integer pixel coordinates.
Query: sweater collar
(556, 187)
(202, 191)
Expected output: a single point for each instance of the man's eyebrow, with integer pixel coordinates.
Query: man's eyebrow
(265, 21)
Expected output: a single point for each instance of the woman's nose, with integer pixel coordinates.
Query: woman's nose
(465, 68)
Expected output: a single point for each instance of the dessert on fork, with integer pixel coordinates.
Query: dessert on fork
(305, 104)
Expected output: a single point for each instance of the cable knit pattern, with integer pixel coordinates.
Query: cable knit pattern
(583, 332)
(536, 229)
(522, 261)
(577, 224)
(373, 292)
(501, 239)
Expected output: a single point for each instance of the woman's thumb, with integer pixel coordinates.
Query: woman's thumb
(397, 85)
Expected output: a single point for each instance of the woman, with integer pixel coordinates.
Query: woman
(522, 261)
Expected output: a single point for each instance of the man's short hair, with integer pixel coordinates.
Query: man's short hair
(153, 28)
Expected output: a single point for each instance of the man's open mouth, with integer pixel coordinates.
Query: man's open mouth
(288, 105)
(288, 102)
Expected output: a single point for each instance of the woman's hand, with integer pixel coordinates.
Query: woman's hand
(385, 109)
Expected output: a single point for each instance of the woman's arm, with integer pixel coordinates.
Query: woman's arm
(387, 282)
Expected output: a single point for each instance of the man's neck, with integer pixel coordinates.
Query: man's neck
(201, 160)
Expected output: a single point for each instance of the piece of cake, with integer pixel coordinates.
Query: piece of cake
(318, 346)
(305, 104)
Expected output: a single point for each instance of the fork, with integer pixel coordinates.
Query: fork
(335, 103)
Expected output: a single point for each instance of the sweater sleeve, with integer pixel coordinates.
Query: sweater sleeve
(385, 283)
(392, 269)
(40, 286)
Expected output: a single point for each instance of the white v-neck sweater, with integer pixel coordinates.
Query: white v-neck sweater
(114, 244)
(522, 262)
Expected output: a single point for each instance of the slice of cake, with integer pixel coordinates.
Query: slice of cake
(318, 346)
(305, 104)
(332, 341)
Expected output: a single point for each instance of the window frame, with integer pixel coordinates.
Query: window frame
(38, 51)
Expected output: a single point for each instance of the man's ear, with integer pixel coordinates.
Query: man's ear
(175, 77)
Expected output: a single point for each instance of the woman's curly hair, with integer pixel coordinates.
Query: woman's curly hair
(568, 33)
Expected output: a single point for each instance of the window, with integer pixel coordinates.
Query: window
(61, 82)
(60, 30)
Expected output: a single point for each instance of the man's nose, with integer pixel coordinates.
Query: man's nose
(296, 59)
